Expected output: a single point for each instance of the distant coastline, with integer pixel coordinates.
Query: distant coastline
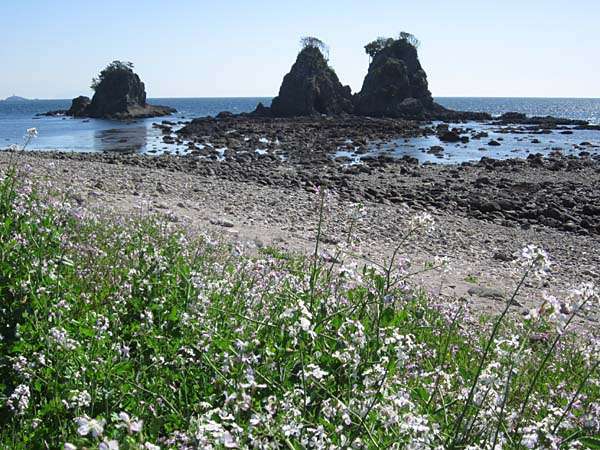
(16, 99)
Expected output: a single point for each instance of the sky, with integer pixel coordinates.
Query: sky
(235, 48)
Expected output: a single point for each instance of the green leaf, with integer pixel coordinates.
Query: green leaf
(592, 442)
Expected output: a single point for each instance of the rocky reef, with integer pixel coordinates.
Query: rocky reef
(311, 88)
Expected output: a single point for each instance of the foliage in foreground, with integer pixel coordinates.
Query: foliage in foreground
(133, 335)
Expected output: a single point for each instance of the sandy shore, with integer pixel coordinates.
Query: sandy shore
(480, 253)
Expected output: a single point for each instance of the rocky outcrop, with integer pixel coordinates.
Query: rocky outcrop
(396, 84)
(311, 88)
(120, 94)
(79, 106)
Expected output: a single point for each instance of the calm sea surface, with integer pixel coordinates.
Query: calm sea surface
(92, 135)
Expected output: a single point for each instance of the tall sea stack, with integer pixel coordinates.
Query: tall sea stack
(311, 87)
(396, 84)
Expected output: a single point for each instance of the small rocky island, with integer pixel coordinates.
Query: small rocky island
(15, 99)
(120, 94)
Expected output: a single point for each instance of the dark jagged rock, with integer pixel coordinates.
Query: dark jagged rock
(449, 136)
(261, 111)
(395, 85)
(120, 94)
(79, 106)
(311, 88)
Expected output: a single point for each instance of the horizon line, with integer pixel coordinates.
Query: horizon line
(273, 96)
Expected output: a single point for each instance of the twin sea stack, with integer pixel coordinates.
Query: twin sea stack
(119, 94)
(395, 85)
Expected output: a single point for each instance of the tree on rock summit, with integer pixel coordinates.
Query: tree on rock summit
(396, 84)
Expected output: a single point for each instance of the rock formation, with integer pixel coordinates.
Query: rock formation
(120, 94)
(396, 84)
(79, 106)
(311, 88)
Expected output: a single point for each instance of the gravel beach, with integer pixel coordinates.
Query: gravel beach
(272, 203)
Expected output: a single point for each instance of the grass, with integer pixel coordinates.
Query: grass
(132, 334)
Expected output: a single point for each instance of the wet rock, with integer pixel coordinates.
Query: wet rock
(436, 150)
(449, 136)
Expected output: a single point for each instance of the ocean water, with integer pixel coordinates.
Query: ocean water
(571, 108)
(93, 135)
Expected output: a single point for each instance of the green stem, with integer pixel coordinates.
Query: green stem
(579, 388)
(482, 362)
(543, 364)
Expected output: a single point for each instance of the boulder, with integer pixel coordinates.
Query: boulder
(262, 111)
(311, 88)
(395, 85)
(449, 136)
(79, 106)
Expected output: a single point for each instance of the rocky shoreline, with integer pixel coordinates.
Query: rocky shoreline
(557, 192)
(485, 213)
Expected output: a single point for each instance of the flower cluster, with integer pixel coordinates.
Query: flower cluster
(132, 334)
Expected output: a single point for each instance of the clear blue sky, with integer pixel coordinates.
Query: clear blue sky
(195, 48)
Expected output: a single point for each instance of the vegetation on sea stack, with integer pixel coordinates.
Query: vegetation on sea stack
(115, 67)
(374, 47)
(313, 42)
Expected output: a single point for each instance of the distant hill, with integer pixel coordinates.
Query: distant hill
(15, 98)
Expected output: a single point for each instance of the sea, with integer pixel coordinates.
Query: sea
(94, 135)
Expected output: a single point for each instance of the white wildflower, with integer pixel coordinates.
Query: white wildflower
(78, 399)
(69, 446)
(133, 424)
(108, 445)
(150, 446)
(60, 337)
(530, 438)
(536, 260)
(32, 132)
(102, 325)
(19, 399)
(124, 351)
(86, 426)
(315, 372)
(422, 221)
